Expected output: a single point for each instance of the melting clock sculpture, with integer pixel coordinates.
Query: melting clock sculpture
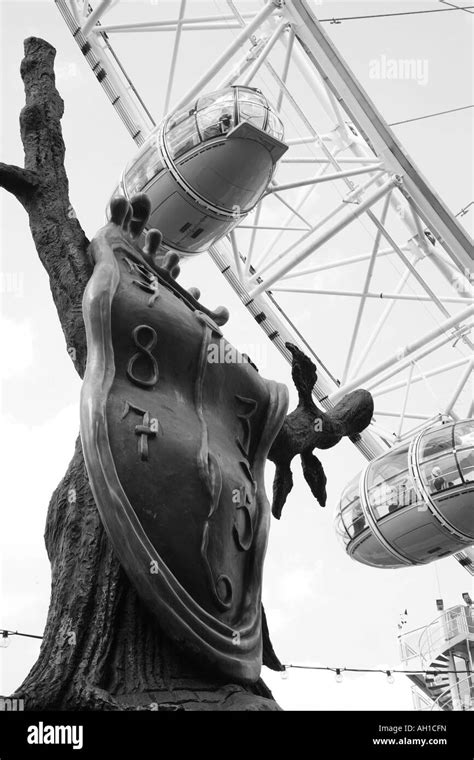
(175, 444)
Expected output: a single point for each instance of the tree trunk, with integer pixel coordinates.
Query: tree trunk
(102, 650)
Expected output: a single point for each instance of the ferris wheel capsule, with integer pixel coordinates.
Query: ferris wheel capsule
(206, 167)
(413, 504)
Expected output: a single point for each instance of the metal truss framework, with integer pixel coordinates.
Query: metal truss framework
(345, 178)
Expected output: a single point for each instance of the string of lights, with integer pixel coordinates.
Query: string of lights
(389, 672)
(375, 670)
(5, 634)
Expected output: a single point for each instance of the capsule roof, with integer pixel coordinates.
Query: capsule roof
(215, 114)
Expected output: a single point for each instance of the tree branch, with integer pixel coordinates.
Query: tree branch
(43, 189)
(19, 182)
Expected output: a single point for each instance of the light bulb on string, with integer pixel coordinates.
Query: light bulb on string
(338, 675)
(390, 677)
(284, 673)
(4, 640)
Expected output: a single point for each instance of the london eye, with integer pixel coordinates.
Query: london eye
(274, 163)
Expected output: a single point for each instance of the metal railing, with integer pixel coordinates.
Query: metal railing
(409, 644)
(421, 702)
(463, 700)
(454, 624)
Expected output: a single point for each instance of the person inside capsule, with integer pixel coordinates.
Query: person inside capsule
(439, 483)
(450, 455)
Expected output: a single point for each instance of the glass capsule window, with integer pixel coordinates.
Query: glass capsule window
(181, 134)
(217, 119)
(388, 466)
(341, 531)
(221, 99)
(274, 125)
(252, 108)
(207, 100)
(214, 115)
(351, 519)
(145, 165)
(389, 484)
(436, 442)
(464, 446)
(390, 497)
(255, 113)
(447, 457)
(466, 465)
(464, 434)
(442, 473)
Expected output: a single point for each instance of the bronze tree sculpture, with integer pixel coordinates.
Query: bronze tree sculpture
(111, 640)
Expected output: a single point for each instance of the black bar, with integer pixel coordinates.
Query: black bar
(159, 733)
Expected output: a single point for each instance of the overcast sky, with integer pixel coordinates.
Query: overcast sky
(322, 607)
